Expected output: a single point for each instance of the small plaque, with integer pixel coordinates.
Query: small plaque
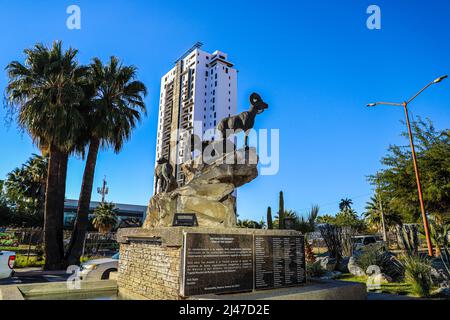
(185, 220)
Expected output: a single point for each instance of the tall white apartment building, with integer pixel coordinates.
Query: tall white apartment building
(200, 88)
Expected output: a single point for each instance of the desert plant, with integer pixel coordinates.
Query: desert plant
(269, 218)
(376, 255)
(332, 235)
(418, 274)
(408, 236)
(281, 212)
(105, 217)
(314, 269)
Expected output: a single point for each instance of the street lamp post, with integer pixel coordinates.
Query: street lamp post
(413, 152)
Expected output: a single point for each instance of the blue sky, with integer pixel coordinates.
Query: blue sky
(314, 62)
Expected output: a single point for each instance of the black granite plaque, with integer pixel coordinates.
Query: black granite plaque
(279, 261)
(185, 220)
(217, 263)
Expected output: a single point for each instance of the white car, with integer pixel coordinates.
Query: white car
(360, 242)
(7, 259)
(99, 269)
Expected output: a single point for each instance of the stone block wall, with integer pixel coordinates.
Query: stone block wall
(149, 270)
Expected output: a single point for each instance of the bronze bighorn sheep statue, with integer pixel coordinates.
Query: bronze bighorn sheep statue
(243, 121)
(163, 173)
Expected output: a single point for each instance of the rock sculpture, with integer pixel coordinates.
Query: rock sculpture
(208, 191)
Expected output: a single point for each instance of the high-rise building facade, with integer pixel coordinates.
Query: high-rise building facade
(198, 92)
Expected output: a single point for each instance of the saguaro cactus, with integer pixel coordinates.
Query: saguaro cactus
(281, 212)
(269, 218)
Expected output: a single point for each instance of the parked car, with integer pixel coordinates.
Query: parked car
(7, 259)
(361, 241)
(99, 269)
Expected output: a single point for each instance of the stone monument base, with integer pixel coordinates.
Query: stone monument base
(151, 259)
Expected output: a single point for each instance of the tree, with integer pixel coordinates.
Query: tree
(5, 211)
(281, 211)
(45, 95)
(269, 218)
(372, 215)
(345, 204)
(25, 192)
(246, 223)
(325, 219)
(308, 224)
(398, 178)
(105, 217)
(116, 108)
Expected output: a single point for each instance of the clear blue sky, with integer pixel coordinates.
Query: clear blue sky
(315, 63)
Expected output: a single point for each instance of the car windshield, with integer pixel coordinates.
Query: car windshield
(116, 256)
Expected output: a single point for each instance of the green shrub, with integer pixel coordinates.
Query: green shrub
(314, 270)
(22, 262)
(418, 274)
(376, 255)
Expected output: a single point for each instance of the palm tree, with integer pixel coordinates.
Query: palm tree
(45, 93)
(373, 214)
(105, 217)
(345, 204)
(117, 106)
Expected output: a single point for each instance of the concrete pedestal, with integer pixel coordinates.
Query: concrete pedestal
(150, 259)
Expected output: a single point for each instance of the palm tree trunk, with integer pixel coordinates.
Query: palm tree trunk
(74, 252)
(54, 209)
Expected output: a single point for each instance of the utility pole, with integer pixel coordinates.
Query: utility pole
(103, 191)
(383, 222)
(413, 153)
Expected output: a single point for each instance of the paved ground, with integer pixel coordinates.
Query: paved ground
(385, 296)
(35, 275)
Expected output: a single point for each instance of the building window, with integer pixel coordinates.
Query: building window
(215, 84)
(226, 70)
(216, 76)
